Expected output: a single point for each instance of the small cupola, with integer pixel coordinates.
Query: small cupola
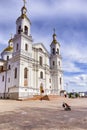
(55, 46)
(10, 42)
(54, 38)
(23, 23)
(23, 10)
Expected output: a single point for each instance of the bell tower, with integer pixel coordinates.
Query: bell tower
(23, 23)
(22, 54)
(55, 65)
(23, 39)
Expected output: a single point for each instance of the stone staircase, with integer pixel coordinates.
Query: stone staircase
(43, 97)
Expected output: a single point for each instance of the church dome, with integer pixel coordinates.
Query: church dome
(9, 48)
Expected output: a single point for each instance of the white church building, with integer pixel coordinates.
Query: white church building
(28, 69)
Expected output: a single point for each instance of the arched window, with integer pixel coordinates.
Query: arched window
(25, 73)
(57, 51)
(26, 30)
(15, 73)
(53, 51)
(17, 46)
(26, 47)
(40, 60)
(19, 29)
(41, 75)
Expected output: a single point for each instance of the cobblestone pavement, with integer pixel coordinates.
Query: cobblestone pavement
(43, 115)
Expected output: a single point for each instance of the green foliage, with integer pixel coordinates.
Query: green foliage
(76, 95)
(73, 95)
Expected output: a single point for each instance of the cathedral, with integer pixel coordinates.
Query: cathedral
(28, 69)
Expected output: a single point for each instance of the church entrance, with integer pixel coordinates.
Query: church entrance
(41, 89)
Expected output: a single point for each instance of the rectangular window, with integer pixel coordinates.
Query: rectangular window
(40, 60)
(9, 67)
(53, 63)
(60, 81)
(59, 63)
(41, 75)
(15, 73)
(26, 47)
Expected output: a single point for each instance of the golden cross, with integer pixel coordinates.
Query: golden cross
(24, 2)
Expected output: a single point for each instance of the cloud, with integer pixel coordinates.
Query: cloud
(58, 8)
(75, 83)
(69, 66)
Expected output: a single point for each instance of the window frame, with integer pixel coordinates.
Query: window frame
(41, 75)
(15, 73)
(25, 73)
(40, 60)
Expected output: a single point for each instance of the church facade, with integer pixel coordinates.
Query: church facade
(28, 69)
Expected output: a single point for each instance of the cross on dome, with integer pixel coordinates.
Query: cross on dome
(54, 37)
(54, 30)
(24, 2)
(11, 35)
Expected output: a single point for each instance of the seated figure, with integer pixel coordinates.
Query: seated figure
(66, 106)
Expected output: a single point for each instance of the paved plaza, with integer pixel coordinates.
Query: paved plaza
(43, 115)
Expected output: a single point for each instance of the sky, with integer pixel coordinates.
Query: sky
(68, 17)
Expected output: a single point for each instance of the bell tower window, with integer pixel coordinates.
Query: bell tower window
(19, 29)
(53, 51)
(26, 30)
(57, 51)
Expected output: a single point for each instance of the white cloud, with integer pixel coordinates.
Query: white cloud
(76, 82)
(69, 66)
(57, 8)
